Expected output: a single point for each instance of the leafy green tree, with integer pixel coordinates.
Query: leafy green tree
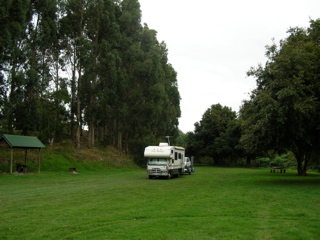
(129, 18)
(100, 68)
(283, 112)
(215, 136)
(118, 76)
(15, 16)
(28, 35)
(41, 43)
(159, 110)
(228, 145)
(77, 44)
(182, 139)
(54, 116)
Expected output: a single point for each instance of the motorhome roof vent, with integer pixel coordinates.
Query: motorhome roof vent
(163, 144)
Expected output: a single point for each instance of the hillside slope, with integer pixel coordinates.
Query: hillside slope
(62, 156)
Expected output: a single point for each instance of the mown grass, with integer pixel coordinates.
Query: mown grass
(214, 203)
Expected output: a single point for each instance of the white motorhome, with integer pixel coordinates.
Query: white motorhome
(164, 160)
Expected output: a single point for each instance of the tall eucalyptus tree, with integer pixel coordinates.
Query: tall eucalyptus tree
(100, 68)
(15, 16)
(77, 49)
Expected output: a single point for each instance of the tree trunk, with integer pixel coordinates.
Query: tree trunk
(299, 167)
(119, 140)
(92, 103)
(302, 161)
(248, 163)
(307, 157)
(78, 137)
(127, 143)
(73, 100)
(12, 98)
(91, 134)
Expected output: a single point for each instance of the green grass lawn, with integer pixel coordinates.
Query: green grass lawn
(214, 203)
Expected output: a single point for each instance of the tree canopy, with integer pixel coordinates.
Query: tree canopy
(283, 111)
(282, 115)
(216, 136)
(68, 64)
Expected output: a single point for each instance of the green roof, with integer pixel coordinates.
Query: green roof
(17, 141)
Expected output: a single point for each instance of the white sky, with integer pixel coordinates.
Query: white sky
(212, 44)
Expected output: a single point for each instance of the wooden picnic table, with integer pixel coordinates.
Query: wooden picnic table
(278, 169)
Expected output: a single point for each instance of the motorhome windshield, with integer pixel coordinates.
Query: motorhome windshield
(157, 161)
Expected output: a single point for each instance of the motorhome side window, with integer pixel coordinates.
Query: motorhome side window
(179, 155)
(175, 156)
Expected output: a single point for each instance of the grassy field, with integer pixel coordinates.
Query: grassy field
(214, 203)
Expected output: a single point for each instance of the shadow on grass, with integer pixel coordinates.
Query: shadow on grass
(173, 178)
(291, 179)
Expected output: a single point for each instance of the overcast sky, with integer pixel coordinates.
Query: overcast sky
(212, 44)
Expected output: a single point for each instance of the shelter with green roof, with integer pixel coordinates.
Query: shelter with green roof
(21, 142)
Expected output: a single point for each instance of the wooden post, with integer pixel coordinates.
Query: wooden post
(11, 161)
(39, 161)
(25, 158)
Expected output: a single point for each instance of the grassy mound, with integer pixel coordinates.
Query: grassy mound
(62, 156)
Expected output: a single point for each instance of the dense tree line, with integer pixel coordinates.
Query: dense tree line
(66, 64)
(282, 114)
(216, 137)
